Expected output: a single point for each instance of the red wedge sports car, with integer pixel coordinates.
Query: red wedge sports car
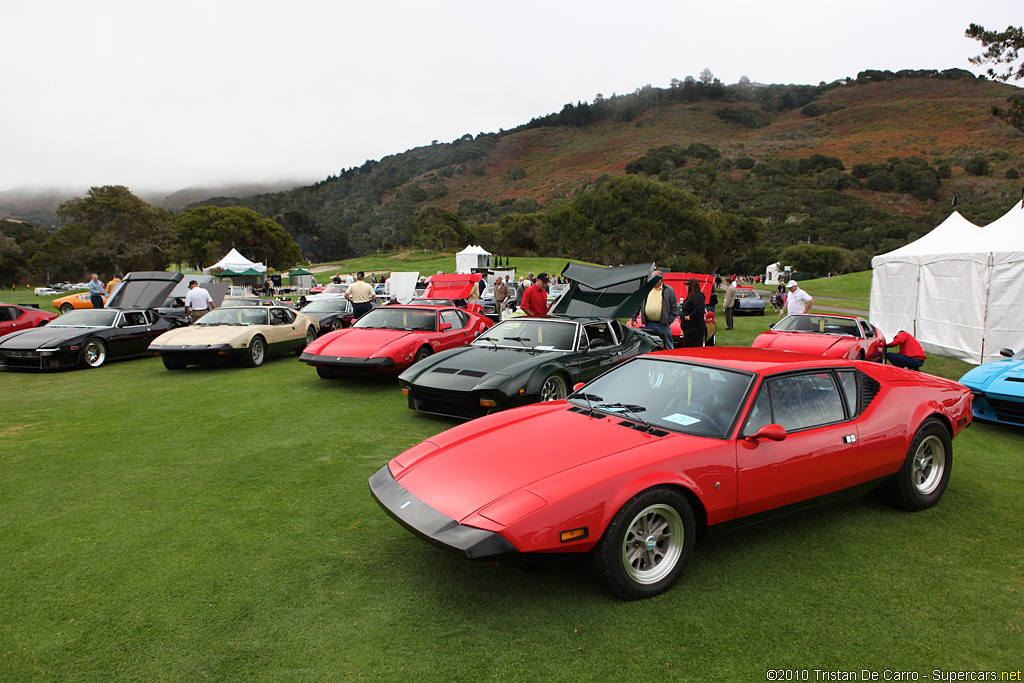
(389, 339)
(835, 336)
(636, 464)
(14, 317)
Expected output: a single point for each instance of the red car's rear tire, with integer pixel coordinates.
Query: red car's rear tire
(924, 476)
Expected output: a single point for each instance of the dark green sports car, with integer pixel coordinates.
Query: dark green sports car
(524, 360)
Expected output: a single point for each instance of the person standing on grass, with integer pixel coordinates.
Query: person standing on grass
(535, 298)
(797, 301)
(96, 291)
(660, 310)
(691, 315)
(198, 301)
(730, 301)
(361, 295)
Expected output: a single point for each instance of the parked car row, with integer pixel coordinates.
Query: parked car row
(615, 450)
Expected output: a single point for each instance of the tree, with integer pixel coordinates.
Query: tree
(706, 77)
(206, 233)
(112, 230)
(435, 228)
(1002, 47)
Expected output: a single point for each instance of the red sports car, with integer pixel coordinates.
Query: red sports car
(14, 318)
(634, 466)
(677, 281)
(389, 339)
(835, 336)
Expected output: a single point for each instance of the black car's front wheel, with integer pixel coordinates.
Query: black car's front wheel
(554, 388)
(647, 544)
(94, 353)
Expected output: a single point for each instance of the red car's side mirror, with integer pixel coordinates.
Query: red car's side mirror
(444, 326)
(772, 432)
(576, 387)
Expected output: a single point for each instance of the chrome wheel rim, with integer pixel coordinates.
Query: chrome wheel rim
(929, 464)
(256, 351)
(310, 336)
(653, 544)
(95, 354)
(553, 389)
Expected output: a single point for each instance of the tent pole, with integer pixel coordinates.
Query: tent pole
(984, 319)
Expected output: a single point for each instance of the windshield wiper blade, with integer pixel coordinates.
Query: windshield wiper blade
(631, 408)
(588, 398)
(522, 340)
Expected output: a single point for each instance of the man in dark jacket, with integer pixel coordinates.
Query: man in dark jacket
(660, 310)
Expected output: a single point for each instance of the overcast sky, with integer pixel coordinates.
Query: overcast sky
(161, 96)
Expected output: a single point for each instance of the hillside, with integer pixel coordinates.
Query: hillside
(863, 165)
(941, 123)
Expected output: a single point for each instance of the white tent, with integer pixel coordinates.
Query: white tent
(958, 289)
(471, 257)
(236, 262)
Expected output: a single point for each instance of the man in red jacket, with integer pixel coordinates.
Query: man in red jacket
(535, 298)
(910, 356)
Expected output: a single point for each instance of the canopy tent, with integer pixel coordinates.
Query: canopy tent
(300, 278)
(957, 289)
(236, 262)
(472, 258)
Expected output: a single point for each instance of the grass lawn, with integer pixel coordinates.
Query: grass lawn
(216, 524)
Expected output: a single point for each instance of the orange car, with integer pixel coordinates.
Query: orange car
(72, 302)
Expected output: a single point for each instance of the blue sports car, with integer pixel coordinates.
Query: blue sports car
(998, 389)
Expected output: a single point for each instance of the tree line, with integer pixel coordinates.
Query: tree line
(110, 230)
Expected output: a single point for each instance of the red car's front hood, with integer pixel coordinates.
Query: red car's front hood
(357, 342)
(463, 469)
(803, 342)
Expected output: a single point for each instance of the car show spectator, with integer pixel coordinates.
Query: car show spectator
(692, 315)
(910, 355)
(535, 298)
(96, 291)
(198, 301)
(114, 282)
(797, 300)
(730, 301)
(361, 294)
(660, 310)
(500, 294)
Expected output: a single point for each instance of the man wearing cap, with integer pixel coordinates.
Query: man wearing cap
(797, 300)
(198, 301)
(660, 310)
(535, 298)
(361, 295)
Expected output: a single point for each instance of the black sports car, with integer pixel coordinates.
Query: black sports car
(333, 314)
(525, 360)
(88, 338)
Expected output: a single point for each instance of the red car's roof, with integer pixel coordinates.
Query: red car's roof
(751, 360)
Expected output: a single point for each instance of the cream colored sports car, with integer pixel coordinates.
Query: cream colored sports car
(247, 334)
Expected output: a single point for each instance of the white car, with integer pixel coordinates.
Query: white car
(45, 291)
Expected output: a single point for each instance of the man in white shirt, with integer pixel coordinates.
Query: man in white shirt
(198, 301)
(361, 295)
(797, 300)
